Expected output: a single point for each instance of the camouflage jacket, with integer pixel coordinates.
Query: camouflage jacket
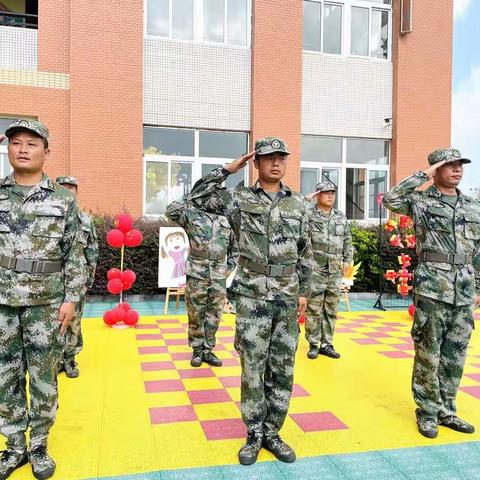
(331, 240)
(440, 228)
(89, 241)
(268, 232)
(208, 234)
(42, 226)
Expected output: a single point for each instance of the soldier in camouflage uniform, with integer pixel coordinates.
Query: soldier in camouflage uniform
(273, 278)
(210, 261)
(42, 275)
(333, 252)
(88, 239)
(446, 285)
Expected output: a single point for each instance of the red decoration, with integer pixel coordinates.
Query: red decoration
(301, 319)
(129, 276)
(133, 238)
(390, 275)
(410, 240)
(131, 317)
(411, 310)
(118, 314)
(114, 273)
(115, 286)
(125, 306)
(124, 222)
(108, 318)
(405, 222)
(115, 238)
(396, 241)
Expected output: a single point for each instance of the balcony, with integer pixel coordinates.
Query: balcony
(21, 20)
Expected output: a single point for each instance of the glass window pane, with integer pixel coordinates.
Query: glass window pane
(379, 40)
(377, 181)
(383, 2)
(321, 149)
(158, 17)
(156, 191)
(168, 141)
(237, 22)
(332, 29)
(332, 175)
(370, 151)
(359, 32)
(182, 19)
(312, 12)
(222, 144)
(208, 167)
(308, 180)
(4, 124)
(213, 20)
(236, 179)
(355, 193)
(181, 180)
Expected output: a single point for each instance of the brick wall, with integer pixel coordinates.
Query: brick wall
(422, 86)
(277, 77)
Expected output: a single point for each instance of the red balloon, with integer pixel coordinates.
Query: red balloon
(133, 238)
(115, 238)
(108, 318)
(126, 285)
(131, 317)
(118, 314)
(129, 276)
(114, 273)
(115, 286)
(125, 306)
(124, 222)
(411, 310)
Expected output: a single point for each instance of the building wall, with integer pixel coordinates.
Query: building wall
(422, 86)
(345, 96)
(277, 76)
(199, 85)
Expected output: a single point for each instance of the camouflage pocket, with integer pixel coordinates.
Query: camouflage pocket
(49, 223)
(291, 224)
(439, 220)
(472, 227)
(339, 227)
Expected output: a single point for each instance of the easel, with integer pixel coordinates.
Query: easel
(345, 290)
(173, 291)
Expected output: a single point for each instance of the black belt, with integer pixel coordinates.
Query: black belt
(452, 258)
(207, 255)
(22, 265)
(268, 270)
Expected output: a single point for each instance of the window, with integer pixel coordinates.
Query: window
(322, 27)
(19, 13)
(175, 158)
(5, 167)
(353, 27)
(217, 21)
(359, 167)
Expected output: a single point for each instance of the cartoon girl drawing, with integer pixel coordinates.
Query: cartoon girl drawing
(177, 247)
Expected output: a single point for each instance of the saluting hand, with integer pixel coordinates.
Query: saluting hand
(431, 169)
(239, 163)
(66, 314)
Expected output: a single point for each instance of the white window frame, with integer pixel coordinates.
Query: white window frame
(4, 161)
(342, 167)
(196, 161)
(346, 27)
(198, 25)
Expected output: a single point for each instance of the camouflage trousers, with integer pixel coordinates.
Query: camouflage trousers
(441, 333)
(266, 339)
(321, 314)
(30, 341)
(73, 339)
(205, 299)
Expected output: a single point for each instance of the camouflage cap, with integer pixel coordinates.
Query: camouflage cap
(268, 145)
(325, 187)
(447, 154)
(27, 124)
(67, 180)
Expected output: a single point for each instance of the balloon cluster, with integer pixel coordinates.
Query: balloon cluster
(119, 280)
(405, 235)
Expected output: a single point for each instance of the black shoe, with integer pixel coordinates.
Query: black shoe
(43, 466)
(329, 351)
(248, 454)
(456, 424)
(210, 358)
(197, 358)
(61, 367)
(10, 460)
(313, 352)
(427, 426)
(71, 368)
(279, 448)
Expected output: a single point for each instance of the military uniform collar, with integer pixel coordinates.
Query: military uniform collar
(45, 182)
(433, 191)
(283, 188)
(321, 212)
